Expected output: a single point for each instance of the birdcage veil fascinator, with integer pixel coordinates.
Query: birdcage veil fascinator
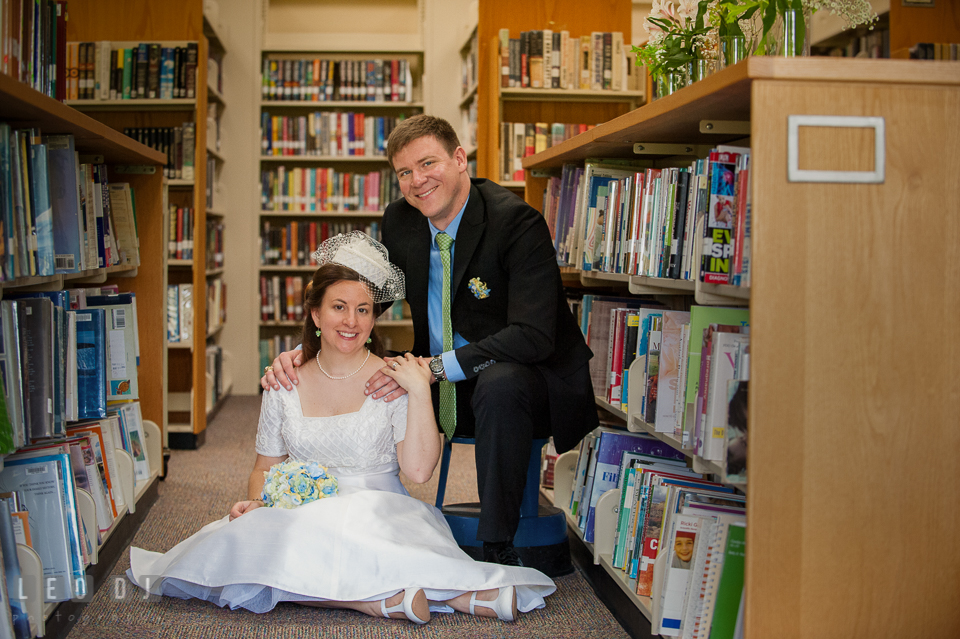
(369, 258)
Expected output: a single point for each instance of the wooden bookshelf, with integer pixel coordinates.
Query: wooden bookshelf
(496, 105)
(141, 167)
(842, 408)
(178, 22)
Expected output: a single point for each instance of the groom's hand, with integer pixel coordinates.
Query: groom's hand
(382, 385)
(283, 371)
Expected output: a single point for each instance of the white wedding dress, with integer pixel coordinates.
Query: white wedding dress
(368, 543)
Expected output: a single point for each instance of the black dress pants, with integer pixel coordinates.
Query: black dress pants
(504, 408)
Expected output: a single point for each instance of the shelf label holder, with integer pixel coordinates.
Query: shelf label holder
(796, 174)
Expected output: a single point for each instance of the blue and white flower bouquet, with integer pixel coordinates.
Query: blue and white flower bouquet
(293, 483)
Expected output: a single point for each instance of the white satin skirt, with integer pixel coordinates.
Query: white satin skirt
(368, 543)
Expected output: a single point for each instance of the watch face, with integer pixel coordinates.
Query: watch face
(436, 366)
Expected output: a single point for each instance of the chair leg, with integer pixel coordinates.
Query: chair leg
(444, 468)
(530, 505)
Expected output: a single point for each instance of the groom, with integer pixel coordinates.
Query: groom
(489, 310)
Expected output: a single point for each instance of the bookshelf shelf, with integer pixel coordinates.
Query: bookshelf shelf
(323, 159)
(213, 332)
(315, 214)
(301, 268)
(213, 34)
(599, 278)
(179, 104)
(512, 184)
(180, 263)
(468, 96)
(400, 323)
(810, 481)
(215, 213)
(180, 345)
(211, 272)
(721, 295)
(215, 96)
(569, 95)
(281, 323)
(215, 155)
(639, 284)
(347, 43)
(364, 105)
(180, 184)
(610, 408)
(471, 152)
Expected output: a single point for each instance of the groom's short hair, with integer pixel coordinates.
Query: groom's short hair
(417, 127)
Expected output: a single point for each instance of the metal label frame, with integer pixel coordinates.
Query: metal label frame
(795, 174)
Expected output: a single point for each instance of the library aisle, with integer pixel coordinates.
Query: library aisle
(202, 486)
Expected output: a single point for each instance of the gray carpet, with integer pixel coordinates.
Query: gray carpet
(201, 487)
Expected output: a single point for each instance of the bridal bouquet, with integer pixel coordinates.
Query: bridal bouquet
(292, 483)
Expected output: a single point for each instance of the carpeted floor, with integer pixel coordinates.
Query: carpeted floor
(201, 487)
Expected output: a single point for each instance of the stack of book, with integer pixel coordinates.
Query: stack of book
(112, 71)
(270, 348)
(180, 238)
(326, 189)
(214, 245)
(33, 41)
(293, 243)
(678, 538)
(59, 211)
(178, 143)
(679, 223)
(677, 372)
(547, 59)
(281, 298)
(326, 133)
(520, 139)
(325, 79)
(180, 314)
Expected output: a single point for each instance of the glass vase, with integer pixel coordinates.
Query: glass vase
(791, 34)
(733, 49)
(701, 68)
(671, 82)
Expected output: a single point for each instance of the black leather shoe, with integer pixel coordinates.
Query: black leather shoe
(502, 553)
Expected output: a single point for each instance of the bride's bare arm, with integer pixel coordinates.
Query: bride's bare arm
(255, 486)
(419, 452)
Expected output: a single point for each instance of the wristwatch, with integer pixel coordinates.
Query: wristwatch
(436, 367)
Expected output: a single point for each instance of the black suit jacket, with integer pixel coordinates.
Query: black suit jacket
(505, 244)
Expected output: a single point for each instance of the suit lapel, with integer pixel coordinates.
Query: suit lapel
(468, 237)
(418, 274)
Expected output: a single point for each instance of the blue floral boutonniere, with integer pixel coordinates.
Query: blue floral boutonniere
(479, 289)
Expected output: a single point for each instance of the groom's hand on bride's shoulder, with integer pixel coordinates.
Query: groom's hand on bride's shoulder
(283, 371)
(243, 507)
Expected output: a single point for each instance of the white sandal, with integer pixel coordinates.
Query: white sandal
(505, 605)
(405, 606)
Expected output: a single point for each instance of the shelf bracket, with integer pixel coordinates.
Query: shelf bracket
(725, 127)
(659, 148)
(135, 169)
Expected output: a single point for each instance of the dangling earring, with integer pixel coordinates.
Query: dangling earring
(369, 339)
(318, 332)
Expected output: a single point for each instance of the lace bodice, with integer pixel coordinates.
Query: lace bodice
(350, 444)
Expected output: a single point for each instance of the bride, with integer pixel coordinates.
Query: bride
(372, 547)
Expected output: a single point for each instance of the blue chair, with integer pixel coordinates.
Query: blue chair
(541, 538)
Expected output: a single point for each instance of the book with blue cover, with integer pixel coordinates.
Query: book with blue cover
(65, 203)
(91, 363)
(11, 570)
(46, 484)
(121, 329)
(41, 208)
(611, 444)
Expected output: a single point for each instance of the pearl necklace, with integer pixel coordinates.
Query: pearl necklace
(345, 376)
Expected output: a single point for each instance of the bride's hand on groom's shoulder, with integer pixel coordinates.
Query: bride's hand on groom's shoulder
(411, 373)
(243, 507)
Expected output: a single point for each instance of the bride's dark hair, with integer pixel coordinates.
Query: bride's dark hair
(325, 277)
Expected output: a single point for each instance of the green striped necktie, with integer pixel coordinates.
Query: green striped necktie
(448, 392)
